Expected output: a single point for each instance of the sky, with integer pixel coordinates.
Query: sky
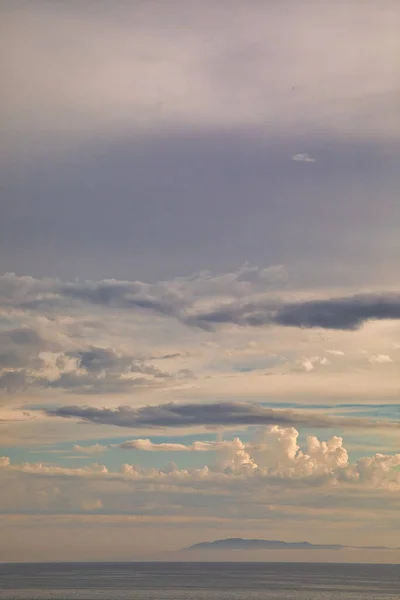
(199, 294)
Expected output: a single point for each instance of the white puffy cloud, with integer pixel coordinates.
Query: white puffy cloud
(309, 364)
(380, 359)
(273, 454)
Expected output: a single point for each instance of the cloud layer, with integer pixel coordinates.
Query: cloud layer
(272, 456)
(202, 333)
(226, 414)
(347, 313)
(246, 300)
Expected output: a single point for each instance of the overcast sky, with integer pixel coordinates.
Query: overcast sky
(199, 293)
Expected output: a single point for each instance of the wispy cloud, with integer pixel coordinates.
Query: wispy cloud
(149, 446)
(303, 158)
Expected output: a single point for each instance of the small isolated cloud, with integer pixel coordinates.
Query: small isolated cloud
(94, 449)
(380, 359)
(149, 446)
(308, 364)
(303, 158)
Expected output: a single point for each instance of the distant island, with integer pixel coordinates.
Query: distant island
(257, 544)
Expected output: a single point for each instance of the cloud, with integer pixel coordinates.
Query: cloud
(28, 363)
(149, 446)
(68, 345)
(168, 298)
(101, 359)
(308, 364)
(303, 158)
(166, 356)
(340, 313)
(244, 303)
(380, 359)
(94, 449)
(13, 381)
(215, 415)
(345, 313)
(54, 470)
(196, 83)
(124, 295)
(273, 455)
(92, 505)
(20, 346)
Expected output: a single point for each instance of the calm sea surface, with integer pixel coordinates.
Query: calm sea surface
(198, 581)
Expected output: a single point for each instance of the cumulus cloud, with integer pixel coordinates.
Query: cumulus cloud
(28, 362)
(308, 364)
(216, 414)
(274, 454)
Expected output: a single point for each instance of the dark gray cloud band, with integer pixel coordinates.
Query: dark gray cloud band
(347, 313)
(225, 414)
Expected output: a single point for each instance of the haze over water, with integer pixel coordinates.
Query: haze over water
(198, 581)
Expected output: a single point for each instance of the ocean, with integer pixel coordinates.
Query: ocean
(198, 581)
